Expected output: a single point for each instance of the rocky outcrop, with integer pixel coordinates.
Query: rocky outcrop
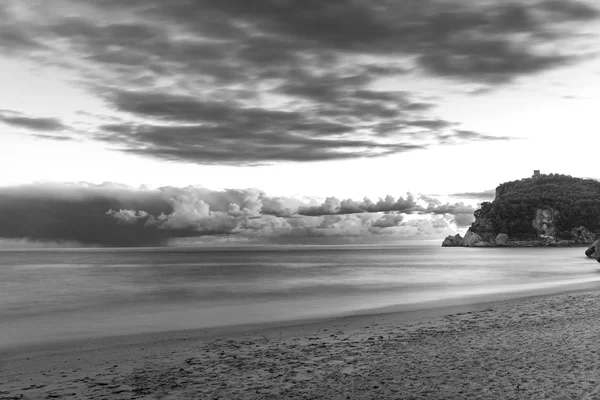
(502, 240)
(593, 250)
(482, 234)
(484, 228)
(545, 210)
(472, 239)
(453, 241)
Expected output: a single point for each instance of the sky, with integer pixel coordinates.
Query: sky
(214, 122)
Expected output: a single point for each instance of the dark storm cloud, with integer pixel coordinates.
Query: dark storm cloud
(384, 26)
(571, 10)
(76, 213)
(116, 215)
(465, 39)
(228, 131)
(224, 144)
(33, 123)
(483, 195)
(248, 82)
(175, 107)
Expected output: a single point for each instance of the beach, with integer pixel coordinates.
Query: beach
(545, 346)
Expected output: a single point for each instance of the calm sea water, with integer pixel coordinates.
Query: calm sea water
(49, 295)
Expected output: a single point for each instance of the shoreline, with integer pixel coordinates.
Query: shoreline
(406, 312)
(517, 245)
(247, 361)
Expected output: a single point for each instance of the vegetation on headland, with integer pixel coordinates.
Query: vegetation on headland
(576, 202)
(544, 210)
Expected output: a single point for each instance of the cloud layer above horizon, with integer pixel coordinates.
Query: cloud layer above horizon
(251, 82)
(117, 215)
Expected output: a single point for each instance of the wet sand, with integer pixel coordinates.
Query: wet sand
(538, 347)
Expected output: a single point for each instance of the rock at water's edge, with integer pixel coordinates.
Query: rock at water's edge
(502, 240)
(474, 240)
(592, 251)
(453, 241)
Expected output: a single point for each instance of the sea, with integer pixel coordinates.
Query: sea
(53, 295)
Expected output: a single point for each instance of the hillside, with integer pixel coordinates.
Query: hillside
(542, 210)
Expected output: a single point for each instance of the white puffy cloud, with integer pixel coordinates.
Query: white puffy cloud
(111, 214)
(128, 216)
(253, 213)
(332, 206)
(388, 221)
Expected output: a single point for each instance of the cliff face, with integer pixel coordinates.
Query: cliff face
(544, 225)
(549, 210)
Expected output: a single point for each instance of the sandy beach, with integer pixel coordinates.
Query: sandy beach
(537, 347)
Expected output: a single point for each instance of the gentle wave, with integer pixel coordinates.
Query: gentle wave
(97, 293)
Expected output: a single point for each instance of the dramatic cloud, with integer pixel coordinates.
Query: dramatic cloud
(247, 82)
(34, 123)
(332, 206)
(482, 196)
(77, 213)
(461, 213)
(116, 215)
(229, 146)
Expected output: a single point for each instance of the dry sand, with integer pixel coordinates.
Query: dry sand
(533, 348)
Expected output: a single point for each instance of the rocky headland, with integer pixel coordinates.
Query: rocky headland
(580, 236)
(545, 210)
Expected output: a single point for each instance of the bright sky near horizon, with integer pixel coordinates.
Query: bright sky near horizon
(301, 100)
